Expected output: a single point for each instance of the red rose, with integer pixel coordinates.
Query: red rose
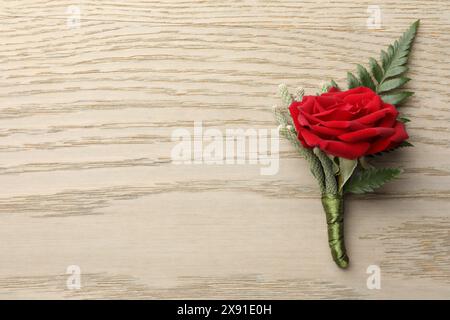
(347, 124)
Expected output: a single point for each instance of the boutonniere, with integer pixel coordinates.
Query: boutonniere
(337, 130)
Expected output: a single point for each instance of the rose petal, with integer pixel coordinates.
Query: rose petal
(391, 142)
(400, 134)
(307, 104)
(336, 148)
(379, 146)
(333, 89)
(307, 119)
(326, 101)
(366, 134)
(374, 105)
(355, 91)
(317, 107)
(336, 113)
(390, 118)
(331, 132)
(343, 94)
(350, 125)
(293, 110)
(373, 117)
(347, 124)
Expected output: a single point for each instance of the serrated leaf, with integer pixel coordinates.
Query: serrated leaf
(396, 98)
(391, 50)
(389, 74)
(371, 179)
(346, 169)
(392, 84)
(395, 71)
(384, 59)
(399, 62)
(401, 48)
(403, 119)
(394, 60)
(376, 70)
(365, 78)
(352, 81)
(405, 144)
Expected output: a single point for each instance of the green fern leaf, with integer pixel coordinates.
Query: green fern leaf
(387, 77)
(365, 78)
(384, 59)
(405, 144)
(352, 81)
(376, 70)
(371, 179)
(396, 71)
(396, 98)
(404, 119)
(392, 84)
(394, 60)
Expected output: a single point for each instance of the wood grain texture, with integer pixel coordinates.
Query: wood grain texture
(86, 116)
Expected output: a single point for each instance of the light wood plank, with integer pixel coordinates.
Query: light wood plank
(86, 117)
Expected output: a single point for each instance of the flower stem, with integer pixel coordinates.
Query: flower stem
(334, 210)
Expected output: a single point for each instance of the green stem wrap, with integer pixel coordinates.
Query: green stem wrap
(334, 210)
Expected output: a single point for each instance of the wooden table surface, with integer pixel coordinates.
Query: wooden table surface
(88, 108)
